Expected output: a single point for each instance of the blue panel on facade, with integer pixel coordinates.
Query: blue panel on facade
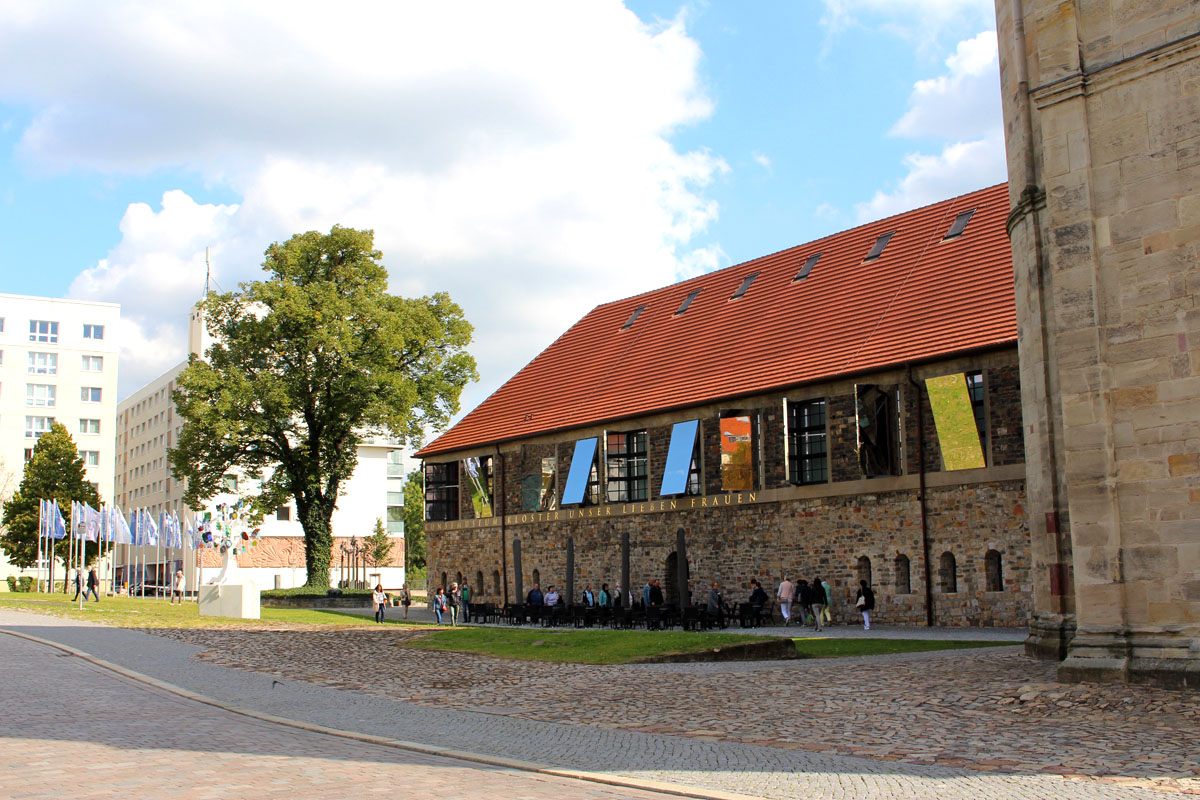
(581, 469)
(679, 457)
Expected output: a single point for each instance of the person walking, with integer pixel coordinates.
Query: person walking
(828, 601)
(715, 607)
(454, 602)
(786, 594)
(818, 601)
(464, 594)
(405, 598)
(78, 584)
(93, 583)
(379, 599)
(177, 586)
(805, 594)
(865, 602)
(439, 604)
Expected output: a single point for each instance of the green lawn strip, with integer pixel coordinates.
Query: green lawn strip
(841, 648)
(139, 612)
(572, 646)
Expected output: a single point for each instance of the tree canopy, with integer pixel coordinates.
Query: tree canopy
(414, 520)
(55, 472)
(379, 545)
(304, 366)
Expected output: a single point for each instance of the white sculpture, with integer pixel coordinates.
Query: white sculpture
(229, 567)
(230, 594)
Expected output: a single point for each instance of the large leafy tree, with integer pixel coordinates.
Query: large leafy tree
(414, 520)
(55, 472)
(306, 364)
(379, 545)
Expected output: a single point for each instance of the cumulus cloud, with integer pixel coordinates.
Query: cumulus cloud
(516, 155)
(925, 23)
(762, 160)
(960, 112)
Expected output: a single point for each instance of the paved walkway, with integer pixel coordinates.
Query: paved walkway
(74, 730)
(933, 725)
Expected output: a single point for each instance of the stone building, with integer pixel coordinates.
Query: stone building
(849, 409)
(1102, 121)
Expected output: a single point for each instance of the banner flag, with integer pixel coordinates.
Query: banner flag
(60, 525)
(120, 528)
(151, 529)
(92, 523)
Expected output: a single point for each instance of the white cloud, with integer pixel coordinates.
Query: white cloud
(925, 23)
(499, 151)
(960, 112)
(762, 160)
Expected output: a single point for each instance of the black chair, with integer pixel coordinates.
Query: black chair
(690, 619)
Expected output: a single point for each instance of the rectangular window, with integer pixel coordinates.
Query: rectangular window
(1, 358)
(582, 478)
(229, 482)
(441, 491)
(479, 481)
(40, 395)
(877, 248)
(89, 394)
(745, 286)
(89, 426)
(625, 476)
(682, 473)
(975, 390)
(93, 331)
(36, 426)
(43, 364)
(1, 324)
(808, 453)
(737, 453)
(283, 513)
(395, 464)
(92, 363)
(960, 224)
(28, 454)
(877, 434)
(808, 267)
(90, 457)
(395, 519)
(41, 330)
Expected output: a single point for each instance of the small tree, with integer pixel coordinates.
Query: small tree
(379, 545)
(414, 520)
(55, 472)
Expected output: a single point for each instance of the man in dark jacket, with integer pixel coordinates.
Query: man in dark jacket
(535, 601)
(93, 582)
(656, 593)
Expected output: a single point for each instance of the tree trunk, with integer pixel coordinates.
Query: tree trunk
(316, 519)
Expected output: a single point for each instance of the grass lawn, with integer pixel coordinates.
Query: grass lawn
(593, 646)
(142, 612)
(838, 648)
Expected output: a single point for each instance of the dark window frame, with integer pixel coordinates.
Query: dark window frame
(880, 243)
(960, 224)
(745, 286)
(808, 267)
(687, 301)
(626, 453)
(977, 392)
(804, 433)
(441, 490)
(633, 317)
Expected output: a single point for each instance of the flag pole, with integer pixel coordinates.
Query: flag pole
(41, 528)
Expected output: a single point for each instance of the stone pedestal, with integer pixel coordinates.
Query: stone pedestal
(240, 600)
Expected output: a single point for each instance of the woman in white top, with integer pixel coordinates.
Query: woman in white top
(177, 589)
(380, 601)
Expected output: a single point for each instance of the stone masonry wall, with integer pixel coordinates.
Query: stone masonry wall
(804, 538)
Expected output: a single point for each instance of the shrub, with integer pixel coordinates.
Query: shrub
(12, 583)
(304, 591)
(26, 583)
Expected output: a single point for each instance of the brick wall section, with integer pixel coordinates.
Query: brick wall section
(806, 538)
(843, 438)
(710, 441)
(1004, 415)
(774, 429)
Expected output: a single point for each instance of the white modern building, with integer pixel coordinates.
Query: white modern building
(147, 425)
(58, 362)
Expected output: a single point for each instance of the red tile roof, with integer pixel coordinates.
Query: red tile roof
(924, 297)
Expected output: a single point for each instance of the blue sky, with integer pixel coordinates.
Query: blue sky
(533, 161)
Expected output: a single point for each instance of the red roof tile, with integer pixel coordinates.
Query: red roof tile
(924, 297)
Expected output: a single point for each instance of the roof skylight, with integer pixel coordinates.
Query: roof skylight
(808, 267)
(629, 323)
(741, 290)
(687, 301)
(960, 224)
(880, 243)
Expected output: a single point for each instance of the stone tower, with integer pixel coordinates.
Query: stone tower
(1102, 124)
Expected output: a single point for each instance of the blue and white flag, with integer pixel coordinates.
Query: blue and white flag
(120, 528)
(151, 529)
(59, 530)
(92, 522)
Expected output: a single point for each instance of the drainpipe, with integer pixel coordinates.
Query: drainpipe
(921, 497)
(503, 532)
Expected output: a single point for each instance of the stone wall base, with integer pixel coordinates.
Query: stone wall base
(1049, 636)
(1166, 658)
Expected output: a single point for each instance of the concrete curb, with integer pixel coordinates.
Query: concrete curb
(677, 790)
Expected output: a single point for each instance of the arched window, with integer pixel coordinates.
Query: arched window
(458, 578)
(947, 573)
(995, 574)
(496, 583)
(479, 587)
(443, 580)
(537, 578)
(864, 570)
(903, 576)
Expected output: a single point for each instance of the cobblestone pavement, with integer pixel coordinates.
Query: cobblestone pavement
(72, 729)
(967, 724)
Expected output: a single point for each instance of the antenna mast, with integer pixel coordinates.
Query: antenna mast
(207, 272)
